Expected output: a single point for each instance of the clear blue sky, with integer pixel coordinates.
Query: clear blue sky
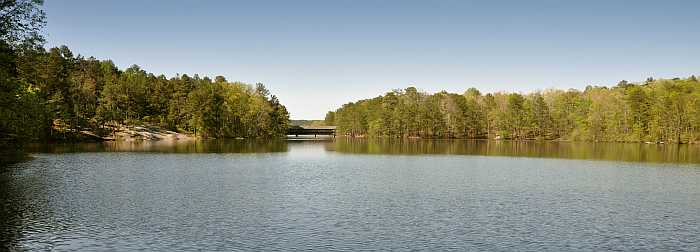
(318, 55)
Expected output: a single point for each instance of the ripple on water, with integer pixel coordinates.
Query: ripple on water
(330, 202)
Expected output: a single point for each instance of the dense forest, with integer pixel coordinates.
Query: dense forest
(666, 110)
(53, 94)
(67, 93)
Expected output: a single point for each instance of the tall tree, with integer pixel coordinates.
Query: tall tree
(20, 116)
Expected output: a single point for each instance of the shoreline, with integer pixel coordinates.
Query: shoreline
(512, 140)
(144, 134)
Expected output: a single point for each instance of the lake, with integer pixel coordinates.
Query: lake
(353, 194)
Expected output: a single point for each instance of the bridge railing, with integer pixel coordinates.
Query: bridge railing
(297, 130)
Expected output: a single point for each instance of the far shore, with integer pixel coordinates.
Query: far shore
(140, 133)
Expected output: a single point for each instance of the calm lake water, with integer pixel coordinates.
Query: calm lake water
(357, 195)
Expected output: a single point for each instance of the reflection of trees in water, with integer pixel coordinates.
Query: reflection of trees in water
(203, 146)
(672, 153)
(26, 195)
(12, 207)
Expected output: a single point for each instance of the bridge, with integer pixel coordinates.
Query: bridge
(311, 131)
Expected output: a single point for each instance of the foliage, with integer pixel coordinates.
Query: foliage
(653, 111)
(53, 94)
(20, 23)
(77, 93)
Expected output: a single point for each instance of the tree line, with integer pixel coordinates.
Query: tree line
(664, 110)
(62, 93)
(49, 94)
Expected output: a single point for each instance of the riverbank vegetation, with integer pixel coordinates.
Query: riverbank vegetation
(55, 95)
(62, 94)
(664, 110)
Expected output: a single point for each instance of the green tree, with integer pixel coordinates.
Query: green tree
(330, 118)
(541, 117)
(21, 119)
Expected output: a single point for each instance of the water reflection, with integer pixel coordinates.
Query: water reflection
(631, 152)
(313, 198)
(11, 206)
(201, 146)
